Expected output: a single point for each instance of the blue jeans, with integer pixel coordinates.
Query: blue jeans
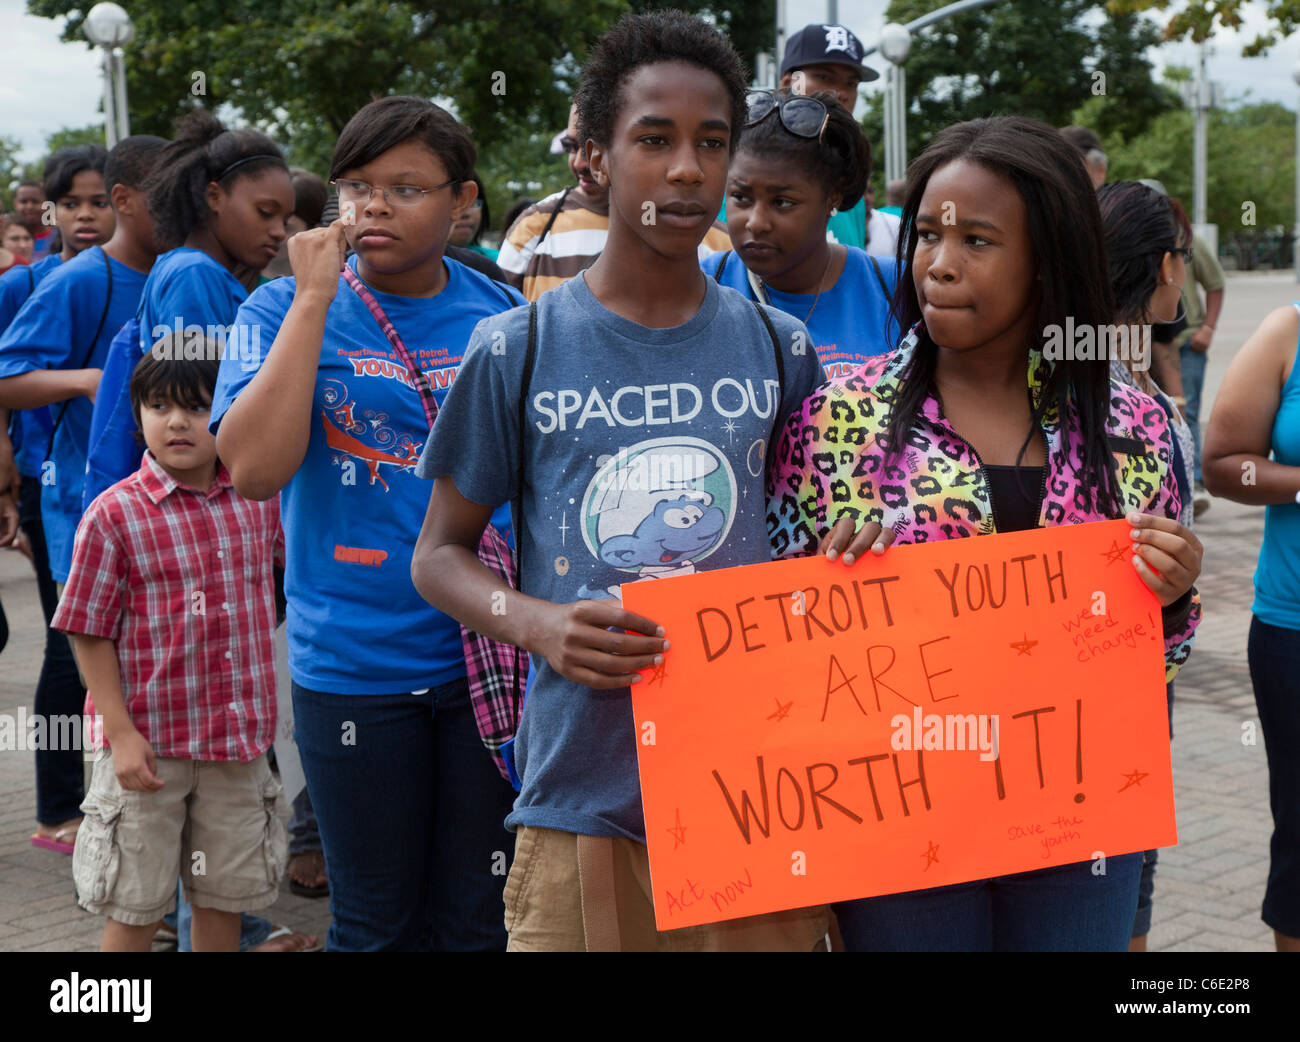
(1192, 364)
(1061, 909)
(1274, 656)
(411, 812)
(60, 778)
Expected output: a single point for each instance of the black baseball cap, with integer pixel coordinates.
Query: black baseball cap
(819, 44)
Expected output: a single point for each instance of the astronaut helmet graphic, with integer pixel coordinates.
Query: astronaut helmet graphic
(660, 506)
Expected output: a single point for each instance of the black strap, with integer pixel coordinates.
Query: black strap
(108, 302)
(517, 506)
(780, 378)
(722, 264)
(880, 275)
(554, 214)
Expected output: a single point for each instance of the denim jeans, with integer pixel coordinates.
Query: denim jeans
(411, 812)
(1274, 656)
(1061, 909)
(1192, 364)
(60, 773)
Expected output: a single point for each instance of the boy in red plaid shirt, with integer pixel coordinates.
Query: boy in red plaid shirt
(170, 608)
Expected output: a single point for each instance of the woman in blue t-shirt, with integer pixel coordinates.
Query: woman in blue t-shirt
(1252, 455)
(334, 412)
(799, 161)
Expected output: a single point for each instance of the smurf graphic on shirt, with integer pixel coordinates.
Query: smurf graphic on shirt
(656, 509)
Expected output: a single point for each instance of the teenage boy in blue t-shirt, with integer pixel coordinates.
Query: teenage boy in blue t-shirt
(653, 395)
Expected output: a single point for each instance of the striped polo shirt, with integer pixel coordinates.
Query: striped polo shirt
(533, 264)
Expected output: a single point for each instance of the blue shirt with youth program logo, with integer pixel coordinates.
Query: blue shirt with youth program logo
(352, 512)
(849, 323)
(29, 429)
(55, 329)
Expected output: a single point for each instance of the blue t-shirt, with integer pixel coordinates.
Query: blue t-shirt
(55, 329)
(352, 512)
(851, 321)
(186, 287)
(643, 458)
(1277, 577)
(29, 429)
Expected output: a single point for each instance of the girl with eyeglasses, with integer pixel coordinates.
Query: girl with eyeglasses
(354, 361)
(799, 160)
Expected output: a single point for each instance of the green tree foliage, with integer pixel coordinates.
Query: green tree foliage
(1196, 20)
(1038, 58)
(299, 69)
(1250, 176)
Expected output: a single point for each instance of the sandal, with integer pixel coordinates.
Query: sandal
(62, 840)
(314, 943)
(317, 860)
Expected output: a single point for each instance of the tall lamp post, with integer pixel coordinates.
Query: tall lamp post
(895, 45)
(108, 27)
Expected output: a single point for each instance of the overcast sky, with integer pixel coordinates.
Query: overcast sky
(46, 84)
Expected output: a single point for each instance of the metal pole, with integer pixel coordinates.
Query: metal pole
(119, 77)
(1199, 159)
(110, 108)
(832, 12)
(900, 126)
(778, 53)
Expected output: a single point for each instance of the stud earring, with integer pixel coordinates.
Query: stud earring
(834, 211)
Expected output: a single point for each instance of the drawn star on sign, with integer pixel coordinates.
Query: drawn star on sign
(1022, 646)
(1134, 779)
(1115, 553)
(931, 856)
(678, 831)
(782, 711)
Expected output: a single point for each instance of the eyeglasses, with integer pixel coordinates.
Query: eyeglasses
(803, 117)
(569, 145)
(1185, 252)
(360, 193)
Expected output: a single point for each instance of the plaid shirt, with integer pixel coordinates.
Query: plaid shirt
(180, 580)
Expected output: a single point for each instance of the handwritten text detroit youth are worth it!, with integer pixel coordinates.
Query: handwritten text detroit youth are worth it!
(820, 732)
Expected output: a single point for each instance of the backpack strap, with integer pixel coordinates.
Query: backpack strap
(780, 377)
(103, 317)
(722, 266)
(554, 214)
(517, 506)
(880, 275)
(31, 281)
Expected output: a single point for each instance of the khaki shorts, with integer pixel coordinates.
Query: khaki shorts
(592, 893)
(216, 826)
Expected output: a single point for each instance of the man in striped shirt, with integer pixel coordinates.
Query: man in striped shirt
(562, 235)
(170, 607)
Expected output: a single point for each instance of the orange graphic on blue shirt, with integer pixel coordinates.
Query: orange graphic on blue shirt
(358, 433)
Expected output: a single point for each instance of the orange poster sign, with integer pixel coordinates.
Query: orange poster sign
(949, 711)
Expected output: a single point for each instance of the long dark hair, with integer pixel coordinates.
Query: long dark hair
(1140, 226)
(1070, 257)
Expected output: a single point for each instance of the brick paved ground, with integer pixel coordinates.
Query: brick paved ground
(1208, 888)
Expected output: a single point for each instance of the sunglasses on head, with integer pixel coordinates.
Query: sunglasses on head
(802, 117)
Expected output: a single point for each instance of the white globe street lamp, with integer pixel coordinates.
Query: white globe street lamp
(109, 27)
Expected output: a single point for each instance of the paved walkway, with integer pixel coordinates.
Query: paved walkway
(1208, 888)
